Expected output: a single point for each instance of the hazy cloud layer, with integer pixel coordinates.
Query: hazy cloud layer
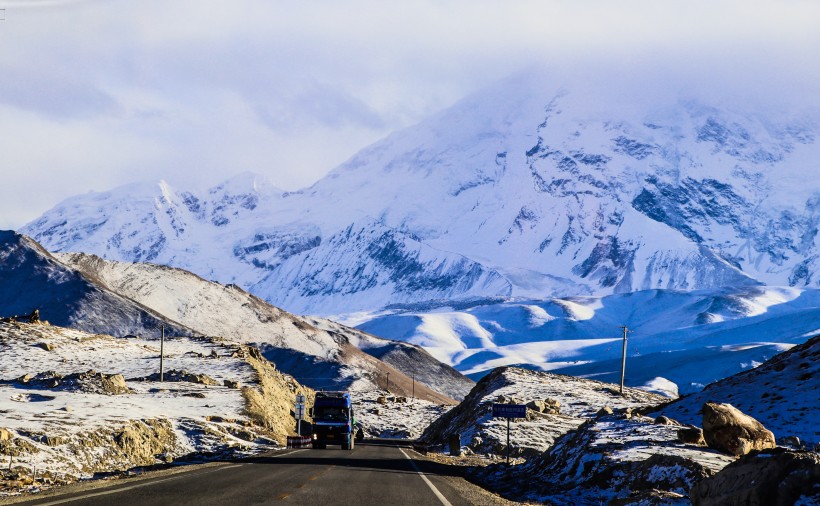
(99, 93)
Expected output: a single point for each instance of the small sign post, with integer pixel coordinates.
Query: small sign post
(509, 411)
(299, 411)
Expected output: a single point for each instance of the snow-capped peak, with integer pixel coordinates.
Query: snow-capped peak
(557, 190)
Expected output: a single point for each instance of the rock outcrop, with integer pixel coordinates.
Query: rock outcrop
(727, 429)
(691, 436)
(578, 399)
(548, 406)
(777, 477)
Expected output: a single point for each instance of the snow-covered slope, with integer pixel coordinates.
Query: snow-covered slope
(524, 189)
(319, 353)
(580, 455)
(690, 338)
(31, 278)
(611, 460)
(65, 421)
(782, 393)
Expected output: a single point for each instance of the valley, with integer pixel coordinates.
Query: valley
(503, 251)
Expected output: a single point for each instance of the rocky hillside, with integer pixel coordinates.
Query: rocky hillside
(631, 454)
(783, 393)
(610, 460)
(525, 188)
(558, 405)
(319, 353)
(75, 404)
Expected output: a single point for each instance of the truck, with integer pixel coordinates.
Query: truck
(333, 421)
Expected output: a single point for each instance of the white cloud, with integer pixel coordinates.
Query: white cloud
(98, 93)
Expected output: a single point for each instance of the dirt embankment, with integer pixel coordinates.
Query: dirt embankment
(270, 402)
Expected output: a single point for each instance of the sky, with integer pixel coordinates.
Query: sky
(99, 93)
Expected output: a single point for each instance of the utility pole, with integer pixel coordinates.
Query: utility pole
(162, 354)
(623, 359)
(508, 441)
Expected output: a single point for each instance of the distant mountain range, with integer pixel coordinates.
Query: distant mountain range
(88, 293)
(522, 190)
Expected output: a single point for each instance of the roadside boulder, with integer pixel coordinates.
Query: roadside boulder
(691, 436)
(727, 429)
(775, 477)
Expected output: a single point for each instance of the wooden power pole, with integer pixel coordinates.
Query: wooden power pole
(162, 354)
(623, 359)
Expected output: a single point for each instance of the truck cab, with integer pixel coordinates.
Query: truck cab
(333, 421)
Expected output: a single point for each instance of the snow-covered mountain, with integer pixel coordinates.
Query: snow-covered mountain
(87, 293)
(31, 278)
(524, 189)
(687, 338)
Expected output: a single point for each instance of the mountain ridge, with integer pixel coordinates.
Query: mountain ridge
(523, 189)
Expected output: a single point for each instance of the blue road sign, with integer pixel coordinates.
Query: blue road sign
(509, 411)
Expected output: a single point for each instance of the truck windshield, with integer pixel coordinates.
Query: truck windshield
(330, 413)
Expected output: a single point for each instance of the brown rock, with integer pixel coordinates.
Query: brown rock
(691, 436)
(381, 399)
(230, 383)
(605, 411)
(549, 406)
(553, 406)
(793, 442)
(727, 429)
(5, 435)
(776, 477)
(537, 406)
(664, 420)
(46, 346)
(114, 383)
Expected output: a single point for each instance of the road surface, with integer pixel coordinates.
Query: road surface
(380, 475)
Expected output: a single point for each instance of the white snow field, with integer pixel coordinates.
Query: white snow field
(678, 341)
(68, 430)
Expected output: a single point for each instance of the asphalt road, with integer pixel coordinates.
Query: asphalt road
(379, 475)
